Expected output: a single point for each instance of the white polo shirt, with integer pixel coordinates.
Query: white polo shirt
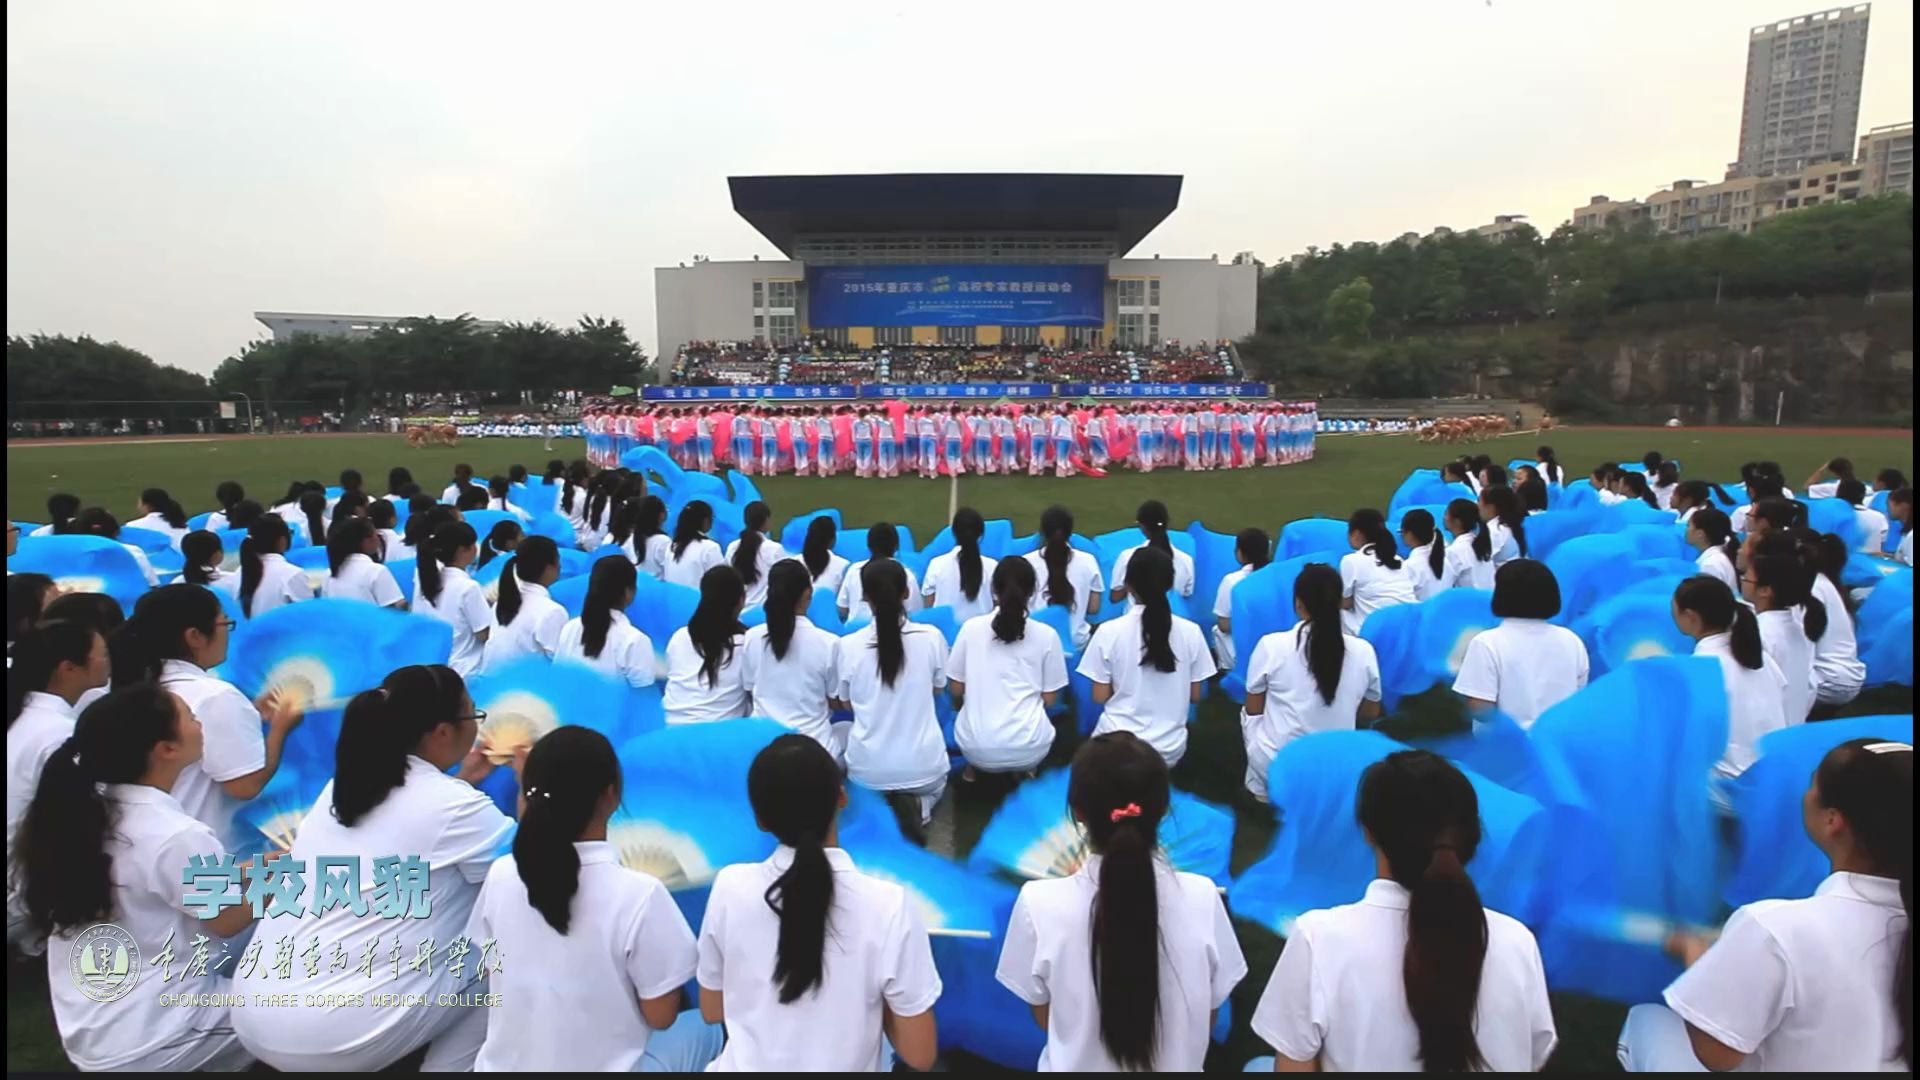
(1873, 529)
(1371, 586)
(699, 557)
(877, 957)
(281, 582)
(1804, 985)
(1083, 573)
(235, 745)
(1151, 703)
(463, 606)
(1838, 673)
(1523, 666)
(627, 654)
(1047, 959)
(793, 689)
(770, 552)
(1419, 570)
(534, 631)
(148, 846)
(1338, 993)
(895, 744)
(1003, 724)
(1756, 703)
(157, 523)
(1505, 547)
(360, 578)
(459, 833)
(1784, 637)
(1466, 570)
(1295, 706)
(829, 579)
(1825, 490)
(574, 998)
(1183, 572)
(45, 722)
(942, 586)
(853, 595)
(1714, 563)
(687, 698)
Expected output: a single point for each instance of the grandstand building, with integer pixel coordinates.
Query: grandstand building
(986, 259)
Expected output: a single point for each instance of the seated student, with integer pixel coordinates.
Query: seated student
(888, 672)
(353, 573)
(462, 480)
(1549, 467)
(384, 519)
(755, 553)
(1005, 673)
(1761, 488)
(1371, 577)
(159, 513)
(639, 529)
(94, 521)
(503, 539)
(1532, 490)
(27, 598)
(825, 568)
(62, 508)
(1426, 561)
(527, 621)
(883, 542)
(310, 513)
(472, 497)
(1417, 975)
(103, 840)
(691, 554)
(1312, 677)
(1068, 577)
(1821, 984)
(1779, 587)
(1526, 665)
(1900, 508)
(958, 578)
(787, 663)
(1711, 534)
(602, 637)
(1872, 523)
(1504, 523)
(841, 952)
(599, 953)
(499, 497)
(705, 664)
(1693, 496)
(229, 494)
(1152, 519)
(391, 793)
(1838, 673)
(204, 554)
(1126, 961)
(1470, 562)
(1252, 550)
(1664, 482)
(445, 591)
(1722, 627)
(1605, 481)
(1149, 665)
(1818, 487)
(266, 579)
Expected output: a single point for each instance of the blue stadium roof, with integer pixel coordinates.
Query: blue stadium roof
(1127, 206)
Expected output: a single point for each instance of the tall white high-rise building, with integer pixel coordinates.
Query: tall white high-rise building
(1802, 103)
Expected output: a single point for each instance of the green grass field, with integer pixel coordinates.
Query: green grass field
(1349, 472)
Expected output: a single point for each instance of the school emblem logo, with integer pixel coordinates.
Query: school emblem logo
(105, 961)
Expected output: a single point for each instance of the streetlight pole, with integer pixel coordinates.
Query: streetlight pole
(249, 402)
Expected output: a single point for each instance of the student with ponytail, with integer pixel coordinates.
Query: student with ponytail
(602, 637)
(204, 554)
(1470, 562)
(391, 792)
(1417, 975)
(1526, 665)
(94, 521)
(1838, 673)
(1693, 496)
(503, 539)
(755, 552)
(104, 840)
(1821, 984)
(54, 665)
(1005, 673)
(639, 527)
(1067, 577)
(267, 579)
(1778, 585)
(1125, 962)
(1312, 677)
(705, 669)
(383, 517)
(159, 513)
(354, 574)
(1550, 467)
(62, 507)
(1371, 577)
(445, 591)
(691, 554)
(1711, 534)
(229, 494)
(883, 543)
(1252, 550)
(1724, 628)
(1149, 665)
(1503, 527)
(1152, 519)
(527, 620)
(601, 952)
(787, 663)
(808, 961)
(958, 579)
(888, 671)
(1427, 554)
(826, 569)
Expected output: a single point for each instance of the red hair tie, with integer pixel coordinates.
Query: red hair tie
(1127, 811)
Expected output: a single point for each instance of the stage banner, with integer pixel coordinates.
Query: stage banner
(989, 391)
(956, 295)
(747, 393)
(1165, 390)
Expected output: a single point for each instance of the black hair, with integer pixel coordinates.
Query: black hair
(1717, 527)
(1253, 547)
(883, 541)
(1493, 475)
(884, 583)
(1056, 526)
(1651, 461)
(61, 507)
(715, 624)
(528, 563)
(1870, 783)
(381, 513)
(746, 552)
(817, 551)
(1152, 519)
(26, 601)
(695, 519)
(608, 585)
(794, 786)
(347, 540)
(1779, 568)
(599, 494)
(1720, 611)
(157, 500)
(1841, 467)
(1701, 493)
(516, 474)
(1637, 486)
(556, 470)
(1419, 524)
(787, 582)
(268, 535)
(295, 489)
(446, 542)
(95, 521)
(350, 480)
(61, 848)
(313, 505)
(348, 503)
(462, 472)
(1506, 510)
(498, 487)
(1890, 479)
(1454, 472)
(1318, 590)
(1901, 494)
(620, 527)
(1532, 491)
(1525, 589)
(1467, 512)
(228, 493)
(38, 653)
(243, 514)
(1780, 513)
(502, 539)
(1119, 792)
(474, 497)
(576, 478)
(1372, 526)
(1826, 554)
(1149, 579)
(1553, 470)
(566, 775)
(968, 527)
(1013, 584)
(1423, 815)
(1851, 490)
(157, 631)
(98, 610)
(1667, 475)
(381, 728)
(1605, 472)
(650, 517)
(398, 477)
(202, 551)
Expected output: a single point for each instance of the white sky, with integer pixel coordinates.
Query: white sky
(173, 167)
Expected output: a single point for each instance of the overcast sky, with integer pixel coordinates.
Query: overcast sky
(173, 167)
